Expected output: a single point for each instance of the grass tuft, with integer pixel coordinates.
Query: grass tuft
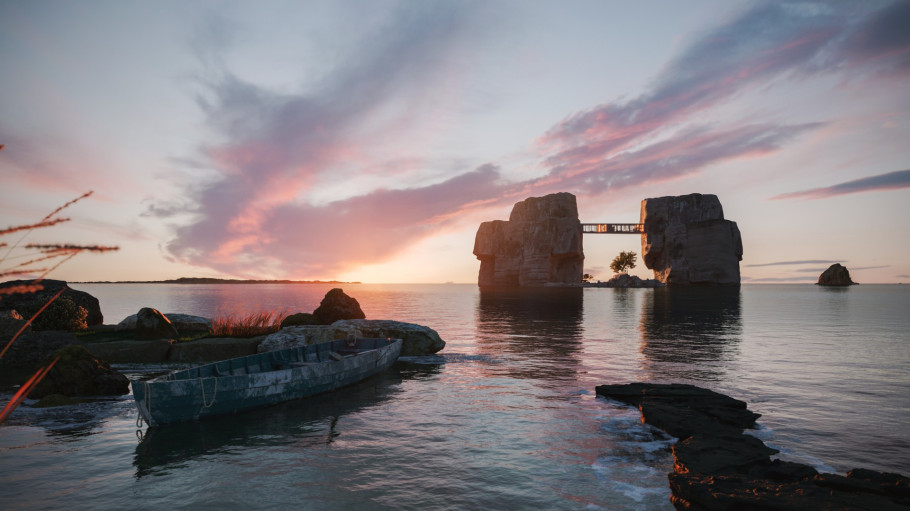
(247, 325)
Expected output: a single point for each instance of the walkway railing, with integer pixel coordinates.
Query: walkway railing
(612, 228)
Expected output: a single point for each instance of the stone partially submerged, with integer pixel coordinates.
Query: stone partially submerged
(835, 275)
(417, 339)
(539, 245)
(686, 240)
(718, 467)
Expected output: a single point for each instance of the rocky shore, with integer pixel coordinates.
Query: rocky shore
(719, 467)
(150, 337)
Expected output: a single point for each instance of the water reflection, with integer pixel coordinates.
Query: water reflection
(542, 327)
(305, 423)
(691, 333)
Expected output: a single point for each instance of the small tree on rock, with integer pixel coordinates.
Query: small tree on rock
(624, 261)
(587, 277)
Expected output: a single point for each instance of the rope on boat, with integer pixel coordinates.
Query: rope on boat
(215, 393)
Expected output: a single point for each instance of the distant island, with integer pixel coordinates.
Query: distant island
(203, 280)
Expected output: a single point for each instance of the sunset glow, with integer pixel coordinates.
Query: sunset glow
(366, 141)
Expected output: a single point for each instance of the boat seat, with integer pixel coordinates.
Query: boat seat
(302, 364)
(335, 356)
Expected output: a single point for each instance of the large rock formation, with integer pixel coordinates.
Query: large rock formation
(835, 275)
(540, 244)
(687, 241)
(78, 373)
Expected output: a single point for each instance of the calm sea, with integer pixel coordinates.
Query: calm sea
(505, 417)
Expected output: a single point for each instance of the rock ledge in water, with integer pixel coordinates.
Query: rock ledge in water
(718, 467)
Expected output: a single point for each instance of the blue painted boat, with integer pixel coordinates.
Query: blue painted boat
(254, 381)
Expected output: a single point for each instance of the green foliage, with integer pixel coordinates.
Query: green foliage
(624, 261)
(61, 314)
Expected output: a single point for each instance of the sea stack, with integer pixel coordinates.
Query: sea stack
(835, 275)
(539, 245)
(686, 240)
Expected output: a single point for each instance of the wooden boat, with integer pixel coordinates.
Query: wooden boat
(243, 383)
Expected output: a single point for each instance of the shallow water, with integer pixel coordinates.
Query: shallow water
(505, 416)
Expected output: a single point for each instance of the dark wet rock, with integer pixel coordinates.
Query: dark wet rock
(718, 467)
(34, 300)
(336, 306)
(835, 275)
(152, 351)
(301, 318)
(30, 349)
(151, 324)
(79, 373)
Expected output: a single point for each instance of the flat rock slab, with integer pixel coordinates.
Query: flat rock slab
(718, 467)
(126, 352)
(213, 349)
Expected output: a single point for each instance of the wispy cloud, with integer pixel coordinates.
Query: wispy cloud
(794, 263)
(273, 149)
(770, 41)
(882, 182)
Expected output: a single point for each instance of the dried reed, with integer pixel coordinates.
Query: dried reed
(247, 325)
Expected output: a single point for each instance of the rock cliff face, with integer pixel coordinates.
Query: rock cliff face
(540, 244)
(687, 240)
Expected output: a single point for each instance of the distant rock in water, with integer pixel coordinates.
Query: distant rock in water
(539, 245)
(835, 275)
(624, 280)
(686, 240)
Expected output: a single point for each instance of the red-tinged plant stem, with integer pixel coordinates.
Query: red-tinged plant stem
(25, 390)
(29, 322)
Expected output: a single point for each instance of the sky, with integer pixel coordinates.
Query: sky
(367, 140)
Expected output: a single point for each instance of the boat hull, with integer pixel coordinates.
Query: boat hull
(255, 381)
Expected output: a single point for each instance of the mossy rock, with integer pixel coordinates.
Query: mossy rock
(79, 373)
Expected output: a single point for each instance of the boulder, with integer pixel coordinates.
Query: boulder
(151, 324)
(835, 275)
(686, 240)
(184, 323)
(540, 244)
(300, 335)
(718, 467)
(416, 339)
(78, 373)
(335, 306)
(301, 318)
(34, 300)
